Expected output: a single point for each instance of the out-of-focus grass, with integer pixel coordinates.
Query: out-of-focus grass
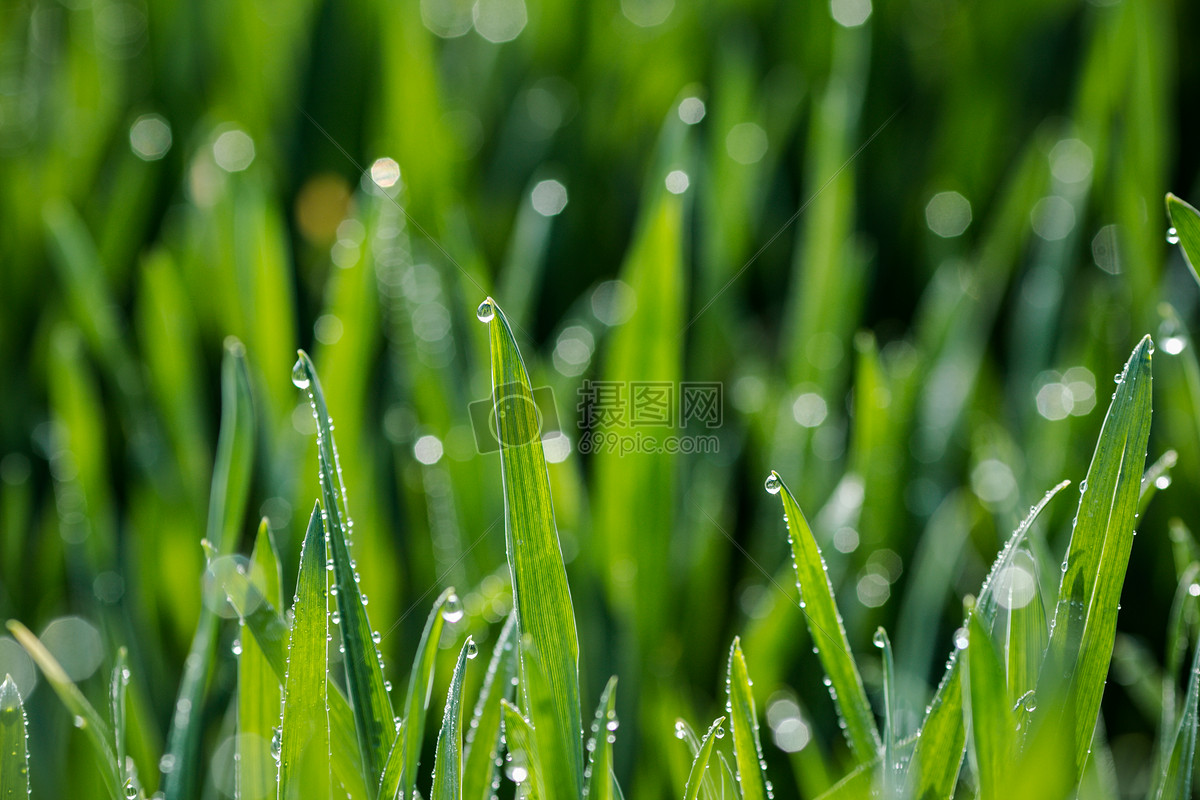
(922, 366)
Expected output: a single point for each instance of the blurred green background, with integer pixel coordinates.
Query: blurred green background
(912, 242)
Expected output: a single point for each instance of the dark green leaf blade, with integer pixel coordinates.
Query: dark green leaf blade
(743, 721)
(525, 763)
(604, 726)
(987, 712)
(258, 696)
(304, 760)
(365, 684)
(1186, 222)
(483, 736)
(447, 760)
(700, 763)
(545, 616)
(14, 756)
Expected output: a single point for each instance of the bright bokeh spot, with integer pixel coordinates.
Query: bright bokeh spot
(850, 13)
(647, 13)
(233, 150)
(499, 21)
(677, 181)
(76, 644)
(691, 110)
(428, 449)
(549, 198)
(746, 143)
(385, 172)
(150, 137)
(1053, 218)
(948, 214)
(1071, 161)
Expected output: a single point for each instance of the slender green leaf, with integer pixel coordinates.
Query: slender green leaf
(933, 774)
(699, 768)
(86, 717)
(545, 616)
(448, 760)
(304, 758)
(400, 769)
(1174, 779)
(604, 726)
(525, 765)
(987, 711)
(226, 508)
(708, 785)
(827, 631)
(365, 685)
(1085, 620)
(1186, 222)
(258, 696)
(743, 721)
(483, 736)
(1023, 622)
(117, 687)
(856, 785)
(1158, 476)
(890, 772)
(14, 756)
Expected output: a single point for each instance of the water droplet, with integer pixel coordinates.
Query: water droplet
(276, 742)
(1172, 236)
(773, 483)
(299, 374)
(80, 722)
(237, 647)
(452, 611)
(719, 732)
(1194, 590)
(879, 639)
(387, 687)
(472, 648)
(960, 639)
(1171, 336)
(486, 311)
(130, 790)
(680, 729)
(1162, 482)
(376, 637)
(335, 617)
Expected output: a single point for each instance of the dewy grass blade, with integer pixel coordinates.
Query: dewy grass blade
(1174, 780)
(365, 685)
(826, 629)
(700, 763)
(545, 616)
(483, 735)
(258, 695)
(1185, 221)
(890, 778)
(1023, 619)
(117, 687)
(227, 507)
(86, 717)
(937, 756)
(270, 633)
(14, 756)
(743, 721)
(400, 769)
(599, 771)
(1085, 620)
(1180, 624)
(987, 712)
(447, 760)
(525, 766)
(304, 758)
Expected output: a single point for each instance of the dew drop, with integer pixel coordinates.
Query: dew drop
(773, 483)
(486, 311)
(80, 722)
(130, 790)
(879, 639)
(299, 375)
(335, 617)
(472, 648)
(680, 729)
(276, 742)
(452, 611)
(376, 637)
(719, 732)
(960, 639)
(1172, 236)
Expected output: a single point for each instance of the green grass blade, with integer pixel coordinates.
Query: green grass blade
(1175, 773)
(447, 760)
(1085, 620)
(258, 693)
(483, 736)
(364, 670)
(545, 616)
(117, 687)
(604, 726)
(1185, 219)
(304, 759)
(891, 763)
(86, 717)
(14, 756)
(400, 769)
(933, 774)
(700, 763)
(1024, 623)
(525, 765)
(743, 721)
(987, 711)
(827, 631)
(226, 508)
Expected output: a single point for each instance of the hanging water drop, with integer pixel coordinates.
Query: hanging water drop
(472, 648)
(1172, 236)
(276, 742)
(299, 374)
(130, 790)
(335, 617)
(376, 637)
(486, 311)
(719, 732)
(879, 639)
(452, 611)
(680, 729)
(773, 483)
(960, 639)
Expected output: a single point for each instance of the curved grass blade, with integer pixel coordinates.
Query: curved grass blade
(258, 694)
(1174, 780)
(1158, 476)
(827, 632)
(483, 736)
(545, 616)
(856, 785)
(117, 687)
(699, 768)
(599, 772)
(1085, 620)
(747, 749)
(365, 685)
(1024, 623)
(447, 760)
(270, 632)
(1186, 222)
(86, 717)
(14, 756)
(987, 712)
(525, 766)
(304, 759)
(933, 773)
(890, 772)
(400, 769)
(708, 785)
(226, 508)
(1180, 622)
